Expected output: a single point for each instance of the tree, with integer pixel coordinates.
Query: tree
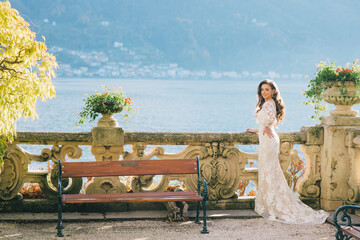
(26, 70)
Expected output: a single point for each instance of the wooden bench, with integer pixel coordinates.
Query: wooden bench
(348, 230)
(132, 168)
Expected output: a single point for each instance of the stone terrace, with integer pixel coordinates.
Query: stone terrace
(148, 225)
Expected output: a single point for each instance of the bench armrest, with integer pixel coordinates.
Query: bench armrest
(345, 217)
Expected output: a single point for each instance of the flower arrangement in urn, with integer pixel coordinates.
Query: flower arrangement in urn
(107, 102)
(336, 85)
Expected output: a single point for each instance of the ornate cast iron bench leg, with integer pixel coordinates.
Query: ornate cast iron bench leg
(205, 196)
(205, 231)
(59, 225)
(197, 221)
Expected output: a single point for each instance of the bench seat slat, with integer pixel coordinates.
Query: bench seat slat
(136, 194)
(129, 168)
(352, 231)
(133, 197)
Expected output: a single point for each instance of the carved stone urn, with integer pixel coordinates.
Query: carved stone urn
(344, 97)
(108, 120)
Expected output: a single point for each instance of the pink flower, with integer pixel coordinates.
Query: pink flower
(317, 65)
(356, 60)
(306, 76)
(85, 95)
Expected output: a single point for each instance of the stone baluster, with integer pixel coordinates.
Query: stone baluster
(287, 155)
(138, 183)
(309, 185)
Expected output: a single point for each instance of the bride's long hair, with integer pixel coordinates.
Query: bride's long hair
(279, 103)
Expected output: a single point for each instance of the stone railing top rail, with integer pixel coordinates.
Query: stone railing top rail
(169, 138)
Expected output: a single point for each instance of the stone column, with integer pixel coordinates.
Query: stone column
(309, 185)
(107, 145)
(353, 144)
(335, 161)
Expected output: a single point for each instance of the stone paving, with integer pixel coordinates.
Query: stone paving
(148, 225)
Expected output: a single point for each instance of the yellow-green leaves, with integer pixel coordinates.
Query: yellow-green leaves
(26, 69)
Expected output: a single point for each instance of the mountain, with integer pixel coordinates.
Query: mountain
(284, 36)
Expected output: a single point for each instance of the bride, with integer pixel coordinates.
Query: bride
(274, 199)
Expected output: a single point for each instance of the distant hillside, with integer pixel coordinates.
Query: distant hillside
(229, 35)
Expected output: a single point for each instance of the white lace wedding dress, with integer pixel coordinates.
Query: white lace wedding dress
(274, 199)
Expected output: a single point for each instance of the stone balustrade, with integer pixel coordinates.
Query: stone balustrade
(331, 151)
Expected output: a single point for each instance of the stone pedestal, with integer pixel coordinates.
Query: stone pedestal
(335, 161)
(107, 145)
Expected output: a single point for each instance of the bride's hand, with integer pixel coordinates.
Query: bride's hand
(268, 132)
(251, 130)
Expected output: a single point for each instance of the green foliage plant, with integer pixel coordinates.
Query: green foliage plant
(26, 70)
(326, 75)
(108, 101)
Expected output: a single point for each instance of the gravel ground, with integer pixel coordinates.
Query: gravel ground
(220, 229)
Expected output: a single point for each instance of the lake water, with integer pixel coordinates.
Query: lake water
(172, 105)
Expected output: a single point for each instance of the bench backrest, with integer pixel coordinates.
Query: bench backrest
(129, 168)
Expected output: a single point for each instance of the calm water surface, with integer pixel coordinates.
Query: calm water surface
(172, 105)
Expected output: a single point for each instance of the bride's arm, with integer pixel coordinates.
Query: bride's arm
(270, 111)
(268, 132)
(251, 130)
